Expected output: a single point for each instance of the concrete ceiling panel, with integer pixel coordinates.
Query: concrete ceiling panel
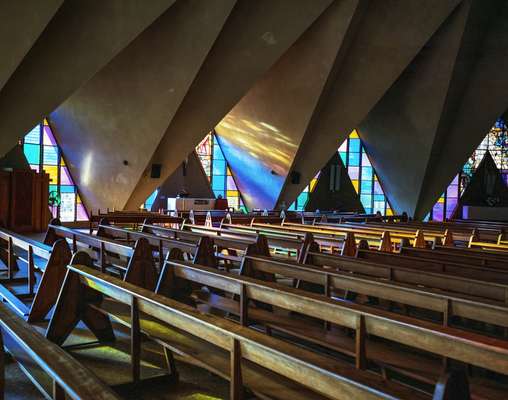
(482, 99)
(81, 38)
(260, 135)
(390, 35)
(22, 23)
(399, 132)
(122, 113)
(256, 34)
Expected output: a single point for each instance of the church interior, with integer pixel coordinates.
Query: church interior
(254, 199)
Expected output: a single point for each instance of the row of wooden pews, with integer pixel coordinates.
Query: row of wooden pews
(283, 311)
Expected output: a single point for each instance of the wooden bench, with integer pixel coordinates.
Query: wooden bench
(62, 376)
(343, 285)
(134, 264)
(132, 219)
(270, 368)
(233, 245)
(448, 282)
(376, 332)
(436, 265)
(32, 287)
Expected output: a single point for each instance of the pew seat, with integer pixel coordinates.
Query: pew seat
(389, 358)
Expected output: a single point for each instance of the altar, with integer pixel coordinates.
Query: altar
(187, 204)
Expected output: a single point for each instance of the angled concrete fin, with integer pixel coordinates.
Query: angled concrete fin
(474, 106)
(81, 38)
(399, 132)
(388, 37)
(260, 135)
(255, 35)
(124, 110)
(22, 23)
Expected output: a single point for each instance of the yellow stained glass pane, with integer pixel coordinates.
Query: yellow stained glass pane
(52, 170)
(389, 211)
(441, 200)
(229, 172)
(313, 184)
(78, 199)
(62, 162)
(353, 135)
(45, 122)
(232, 193)
(355, 184)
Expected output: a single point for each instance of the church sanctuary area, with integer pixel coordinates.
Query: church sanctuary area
(254, 199)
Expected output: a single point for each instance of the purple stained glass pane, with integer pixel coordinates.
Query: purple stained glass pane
(81, 213)
(438, 212)
(354, 172)
(65, 177)
(455, 180)
(452, 191)
(450, 207)
(231, 183)
(365, 160)
(48, 138)
(377, 188)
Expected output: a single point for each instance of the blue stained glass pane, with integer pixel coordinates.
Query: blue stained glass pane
(354, 159)
(219, 183)
(343, 155)
(219, 167)
(217, 153)
(292, 207)
(34, 136)
(67, 189)
(53, 188)
(302, 199)
(219, 192)
(366, 200)
(368, 210)
(50, 155)
(366, 186)
(367, 173)
(32, 153)
(354, 145)
(379, 197)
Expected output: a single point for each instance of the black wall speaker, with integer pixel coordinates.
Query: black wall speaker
(155, 173)
(295, 177)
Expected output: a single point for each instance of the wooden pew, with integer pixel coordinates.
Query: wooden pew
(32, 287)
(460, 256)
(200, 250)
(135, 264)
(343, 285)
(132, 218)
(448, 282)
(436, 265)
(478, 350)
(277, 242)
(270, 368)
(62, 376)
(233, 244)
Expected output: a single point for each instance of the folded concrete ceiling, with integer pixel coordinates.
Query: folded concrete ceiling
(22, 23)
(80, 39)
(390, 35)
(481, 99)
(261, 134)
(255, 35)
(117, 119)
(400, 131)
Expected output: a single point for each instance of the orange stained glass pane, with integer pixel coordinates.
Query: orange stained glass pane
(52, 170)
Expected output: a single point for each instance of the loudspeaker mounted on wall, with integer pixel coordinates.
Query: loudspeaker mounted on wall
(155, 173)
(295, 177)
